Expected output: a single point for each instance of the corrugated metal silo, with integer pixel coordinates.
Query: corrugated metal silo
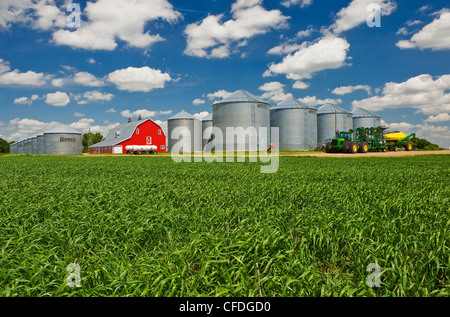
(329, 119)
(206, 123)
(34, 145)
(40, 144)
(364, 119)
(20, 147)
(297, 124)
(63, 140)
(27, 149)
(184, 119)
(241, 109)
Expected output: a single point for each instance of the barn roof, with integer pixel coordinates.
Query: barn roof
(120, 133)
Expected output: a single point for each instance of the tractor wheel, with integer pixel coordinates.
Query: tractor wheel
(328, 147)
(346, 147)
(395, 148)
(363, 147)
(353, 148)
(408, 146)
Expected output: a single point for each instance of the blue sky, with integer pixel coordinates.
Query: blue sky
(158, 57)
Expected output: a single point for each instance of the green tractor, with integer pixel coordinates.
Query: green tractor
(363, 140)
(343, 143)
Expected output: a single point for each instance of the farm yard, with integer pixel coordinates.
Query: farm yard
(141, 226)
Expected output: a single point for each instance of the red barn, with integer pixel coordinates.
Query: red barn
(141, 132)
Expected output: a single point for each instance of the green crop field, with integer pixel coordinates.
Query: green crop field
(146, 226)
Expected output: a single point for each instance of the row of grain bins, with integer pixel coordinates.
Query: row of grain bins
(61, 140)
(300, 127)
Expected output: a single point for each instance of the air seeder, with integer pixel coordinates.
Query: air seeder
(368, 139)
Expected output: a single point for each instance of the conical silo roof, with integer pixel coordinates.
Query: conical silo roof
(207, 118)
(363, 113)
(240, 96)
(62, 129)
(182, 115)
(291, 103)
(330, 108)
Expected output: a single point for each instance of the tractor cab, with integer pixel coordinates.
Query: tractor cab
(341, 137)
(343, 142)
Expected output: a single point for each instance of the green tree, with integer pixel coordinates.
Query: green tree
(90, 139)
(424, 144)
(4, 146)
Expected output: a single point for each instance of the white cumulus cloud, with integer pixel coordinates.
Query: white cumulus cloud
(329, 52)
(442, 117)
(212, 37)
(87, 79)
(356, 13)
(424, 93)
(201, 115)
(15, 77)
(220, 94)
(344, 90)
(110, 20)
(144, 113)
(57, 99)
(300, 3)
(314, 101)
(93, 96)
(198, 102)
(434, 36)
(275, 91)
(142, 79)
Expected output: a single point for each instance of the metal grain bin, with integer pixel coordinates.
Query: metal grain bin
(364, 119)
(20, 148)
(184, 119)
(34, 145)
(329, 119)
(242, 110)
(40, 144)
(206, 123)
(23, 145)
(63, 140)
(27, 147)
(297, 124)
